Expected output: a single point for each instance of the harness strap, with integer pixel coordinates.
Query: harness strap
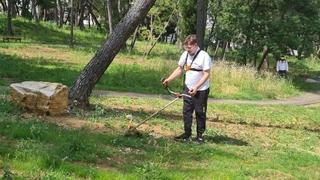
(194, 57)
(190, 69)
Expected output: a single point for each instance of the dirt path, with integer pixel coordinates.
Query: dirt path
(305, 99)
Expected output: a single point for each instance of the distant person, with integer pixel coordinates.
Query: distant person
(196, 65)
(282, 67)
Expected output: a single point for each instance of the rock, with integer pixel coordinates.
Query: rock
(129, 116)
(40, 97)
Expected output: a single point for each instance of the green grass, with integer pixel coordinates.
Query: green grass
(243, 141)
(32, 148)
(45, 55)
(283, 116)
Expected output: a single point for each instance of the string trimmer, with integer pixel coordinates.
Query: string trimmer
(132, 130)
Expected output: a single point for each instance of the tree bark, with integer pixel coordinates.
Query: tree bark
(61, 13)
(81, 14)
(44, 18)
(9, 18)
(4, 5)
(225, 46)
(264, 55)
(94, 18)
(82, 87)
(201, 21)
(119, 7)
(15, 9)
(216, 50)
(225, 49)
(56, 13)
(71, 24)
(134, 38)
(34, 10)
(109, 11)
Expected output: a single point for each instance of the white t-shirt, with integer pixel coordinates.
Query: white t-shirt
(282, 66)
(202, 62)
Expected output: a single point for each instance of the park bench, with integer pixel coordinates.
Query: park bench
(8, 38)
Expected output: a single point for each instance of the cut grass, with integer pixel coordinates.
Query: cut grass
(32, 148)
(283, 116)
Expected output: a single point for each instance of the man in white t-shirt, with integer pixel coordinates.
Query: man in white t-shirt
(196, 64)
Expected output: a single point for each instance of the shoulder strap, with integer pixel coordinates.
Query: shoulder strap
(194, 57)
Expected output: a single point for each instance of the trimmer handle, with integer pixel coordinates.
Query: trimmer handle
(164, 85)
(176, 94)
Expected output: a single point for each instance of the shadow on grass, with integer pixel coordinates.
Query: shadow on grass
(49, 33)
(117, 77)
(49, 147)
(19, 69)
(300, 71)
(222, 139)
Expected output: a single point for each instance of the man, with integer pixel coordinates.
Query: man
(196, 64)
(282, 67)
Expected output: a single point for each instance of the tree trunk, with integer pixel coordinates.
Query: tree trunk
(34, 10)
(89, 21)
(9, 18)
(56, 13)
(82, 88)
(216, 50)
(44, 18)
(39, 12)
(317, 53)
(71, 24)
(134, 38)
(61, 13)
(15, 9)
(95, 20)
(109, 11)
(225, 47)
(264, 55)
(300, 51)
(201, 21)
(4, 5)
(119, 7)
(81, 14)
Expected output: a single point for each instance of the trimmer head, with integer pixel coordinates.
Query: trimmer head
(132, 131)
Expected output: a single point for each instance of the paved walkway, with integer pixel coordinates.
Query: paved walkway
(305, 99)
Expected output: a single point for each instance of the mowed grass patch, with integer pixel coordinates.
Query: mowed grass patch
(33, 148)
(283, 116)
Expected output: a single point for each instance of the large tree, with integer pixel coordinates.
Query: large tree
(9, 17)
(201, 21)
(83, 86)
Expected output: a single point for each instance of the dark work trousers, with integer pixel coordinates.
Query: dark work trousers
(197, 103)
(282, 73)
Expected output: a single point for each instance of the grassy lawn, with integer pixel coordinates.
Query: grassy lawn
(242, 141)
(43, 147)
(44, 55)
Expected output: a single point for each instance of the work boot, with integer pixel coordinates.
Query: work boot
(183, 137)
(199, 139)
